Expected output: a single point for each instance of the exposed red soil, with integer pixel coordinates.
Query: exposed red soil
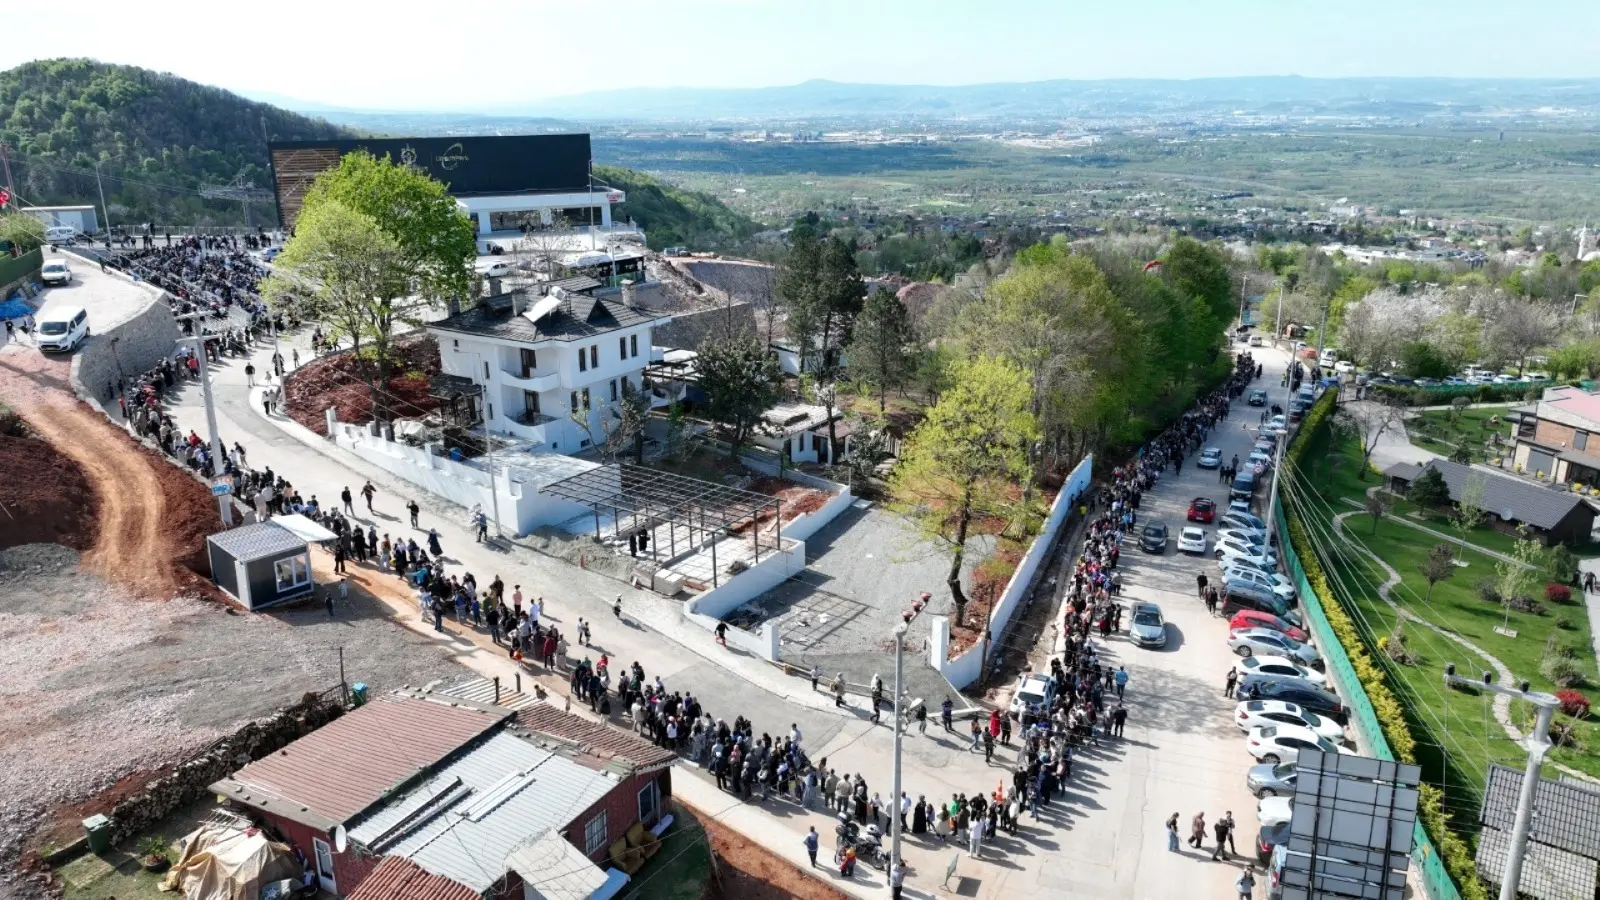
(153, 517)
(990, 578)
(44, 496)
(744, 870)
(337, 380)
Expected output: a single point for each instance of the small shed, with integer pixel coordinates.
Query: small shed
(261, 564)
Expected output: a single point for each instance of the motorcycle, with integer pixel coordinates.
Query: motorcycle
(868, 843)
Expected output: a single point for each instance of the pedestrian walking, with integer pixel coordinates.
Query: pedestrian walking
(616, 608)
(1220, 829)
(922, 718)
(1201, 580)
(1197, 830)
(413, 509)
(1246, 885)
(367, 492)
(1172, 833)
(838, 690)
(722, 633)
(946, 714)
(811, 845)
(1227, 819)
(345, 497)
(1121, 680)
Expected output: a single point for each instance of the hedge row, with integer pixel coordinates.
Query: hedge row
(1453, 851)
(1401, 395)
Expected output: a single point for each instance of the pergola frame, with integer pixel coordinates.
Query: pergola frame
(677, 500)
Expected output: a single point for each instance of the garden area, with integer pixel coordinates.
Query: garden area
(1461, 434)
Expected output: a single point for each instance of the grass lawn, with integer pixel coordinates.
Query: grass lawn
(118, 875)
(1442, 430)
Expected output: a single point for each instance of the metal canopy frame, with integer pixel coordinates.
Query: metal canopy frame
(703, 507)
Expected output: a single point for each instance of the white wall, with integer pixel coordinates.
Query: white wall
(708, 608)
(967, 667)
(522, 507)
(804, 526)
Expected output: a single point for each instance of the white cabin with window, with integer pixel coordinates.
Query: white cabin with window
(542, 360)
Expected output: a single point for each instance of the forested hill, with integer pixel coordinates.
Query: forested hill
(163, 138)
(673, 216)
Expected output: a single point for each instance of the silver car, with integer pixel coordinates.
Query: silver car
(1149, 628)
(1267, 780)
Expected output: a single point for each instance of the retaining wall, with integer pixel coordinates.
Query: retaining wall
(15, 270)
(142, 341)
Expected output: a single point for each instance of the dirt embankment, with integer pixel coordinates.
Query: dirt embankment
(744, 870)
(44, 497)
(337, 380)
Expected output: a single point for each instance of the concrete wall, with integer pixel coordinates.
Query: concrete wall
(708, 608)
(688, 330)
(522, 507)
(967, 667)
(804, 526)
(143, 340)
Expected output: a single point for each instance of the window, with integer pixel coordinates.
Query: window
(292, 572)
(622, 347)
(1526, 426)
(594, 834)
(574, 401)
(486, 370)
(649, 799)
(594, 356)
(627, 385)
(1580, 441)
(613, 390)
(586, 398)
(529, 360)
(583, 361)
(633, 341)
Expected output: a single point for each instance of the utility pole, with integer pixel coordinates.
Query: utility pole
(899, 705)
(199, 339)
(1537, 744)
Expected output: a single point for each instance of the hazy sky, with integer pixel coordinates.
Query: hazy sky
(465, 54)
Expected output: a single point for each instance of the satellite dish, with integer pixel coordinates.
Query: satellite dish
(340, 839)
(1507, 514)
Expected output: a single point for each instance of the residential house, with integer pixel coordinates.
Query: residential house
(1553, 516)
(1557, 436)
(799, 431)
(553, 367)
(418, 795)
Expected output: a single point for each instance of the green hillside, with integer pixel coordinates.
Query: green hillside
(673, 216)
(170, 137)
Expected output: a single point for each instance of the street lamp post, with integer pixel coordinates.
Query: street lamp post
(105, 211)
(199, 339)
(894, 798)
(1537, 744)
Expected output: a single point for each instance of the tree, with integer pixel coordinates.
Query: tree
(1199, 271)
(1515, 327)
(624, 426)
(341, 269)
(964, 461)
(1469, 512)
(879, 351)
(1378, 506)
(1370, 424)
(1516, 574)
(1421, 359)
(796, 287)
(740, 379)
(23, 232)
(839, 295)
(1439, 566)
(1429, 489)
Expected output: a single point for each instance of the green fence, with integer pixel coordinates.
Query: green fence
(14, 268)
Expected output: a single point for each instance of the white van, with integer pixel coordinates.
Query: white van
(1328, 358)
(60, 234)
(62, 329)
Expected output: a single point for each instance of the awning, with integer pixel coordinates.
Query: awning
(304, 528)
(577, 878)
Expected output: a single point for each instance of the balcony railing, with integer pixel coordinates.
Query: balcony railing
(535, 381)
(532, 418)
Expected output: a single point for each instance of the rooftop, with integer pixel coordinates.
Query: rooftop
(1508, 498)
(593, 738)
(792, 418)
(1572, 401)
(248, 543)
(340, 770)
(402, 879)
(576, 317)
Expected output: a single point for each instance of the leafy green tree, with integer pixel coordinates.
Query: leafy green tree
(880, 347)
(839, 295)
(740, 379)
(964, 461)
(799, 273)
(1197, 270)
(1429, 489)
(436, 241)
(1423, 360)
(343, 270)
(23, 232)
(1577, 360)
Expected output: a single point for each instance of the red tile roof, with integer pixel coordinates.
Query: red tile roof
(397, 878)
(596, 739)
(352, 762)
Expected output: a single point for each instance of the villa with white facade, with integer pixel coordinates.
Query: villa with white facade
(543, 360)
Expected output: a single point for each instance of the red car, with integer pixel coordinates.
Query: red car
(1202, 510)
(1250, 618)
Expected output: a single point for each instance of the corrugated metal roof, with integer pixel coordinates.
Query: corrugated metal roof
(518, 790)
(1508, 498)
(349, 764)
(402, 879)
(481, 690)
(593, 737)
(248, 543)
(554, 869)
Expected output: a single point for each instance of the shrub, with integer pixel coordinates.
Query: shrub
(1557, 593)
(1573, 703)
(1561, 672)
(1565, 623)
(1488, 591)
(1527, 604)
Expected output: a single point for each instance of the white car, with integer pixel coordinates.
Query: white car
(1344, 367)
(1227, 548)
(1267, 713)
(1278, 665)
(1274, 810)
(1271, 583)
(1247, 536)
(271, 253)
(1256, 341)
(55, 271)
(1192, 540)
(496, 269)
(1033, 690)
(1283, 743)
(1237, 564)
(1259, 461)
(1241, 507)
(1267, 642)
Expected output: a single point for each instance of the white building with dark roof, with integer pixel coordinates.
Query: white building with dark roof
(552, 368)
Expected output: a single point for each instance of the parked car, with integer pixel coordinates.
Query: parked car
(1251, 619)
(1259, 460)
(1240, 595)
(1153, 538)
(1283, 743)
(1244, 519)
(1202, 509)
(1263, 713)
(1344, 367)
(1268, 780)
(1236, 505)
(1250, 536)
(1265, 641)
(1268, 840)
(1256, 397)
(1033, 691)
(1279, 665)
(1226, 547)
(1210, 458)
(496, 269)
(271, 253)
(1192, 540)
(1243, 486)
(1149, 628)
(1301, 693)
(55, 272)
(1272, 811)
(1264, 580)
(1238, 564)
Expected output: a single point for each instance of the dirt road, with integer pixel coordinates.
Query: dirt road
(146, 507)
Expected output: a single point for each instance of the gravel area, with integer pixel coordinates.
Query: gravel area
(96, 683)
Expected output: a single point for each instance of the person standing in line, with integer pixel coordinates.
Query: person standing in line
(1172, 833)
(1232, 680)
(811, 845)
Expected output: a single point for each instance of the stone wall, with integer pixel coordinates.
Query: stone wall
(142, 341)
(191, 779)
(687, 331)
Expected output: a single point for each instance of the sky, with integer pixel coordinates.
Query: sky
(469, 55)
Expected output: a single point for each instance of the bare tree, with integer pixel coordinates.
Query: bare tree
(1514, 327)
(1378, 506)
(1439, 566)
(542, 247)
(1370, 424)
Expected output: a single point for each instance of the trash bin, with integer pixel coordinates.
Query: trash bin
(98, 828)
(358, 693)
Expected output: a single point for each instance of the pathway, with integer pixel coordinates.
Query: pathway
(1591, 602)
(1444, 537)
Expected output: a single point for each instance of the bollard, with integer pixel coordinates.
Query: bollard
(519, 682)
(497, 690)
